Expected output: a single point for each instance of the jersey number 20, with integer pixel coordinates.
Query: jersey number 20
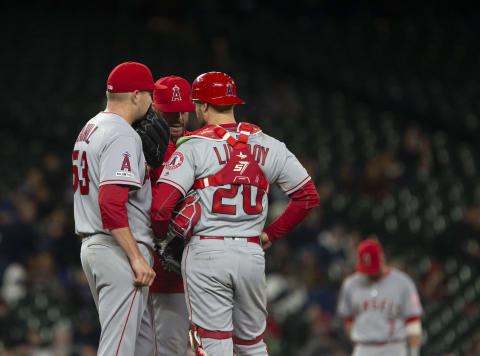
(221, 208)
(83, 181)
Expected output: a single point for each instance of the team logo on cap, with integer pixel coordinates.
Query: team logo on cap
(110, 87)
(229, 89)
(367, 259)
(176, 94)
(175, 161)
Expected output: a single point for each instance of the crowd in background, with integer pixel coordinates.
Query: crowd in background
(46, 307)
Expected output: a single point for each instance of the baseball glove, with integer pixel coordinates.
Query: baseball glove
(184, 217)
(155, 135)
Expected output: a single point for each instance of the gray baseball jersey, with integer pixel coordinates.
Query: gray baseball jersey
(109, 151)
(379, 309)
(227, 211)
(224, 278)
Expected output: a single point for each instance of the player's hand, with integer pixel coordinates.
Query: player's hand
(266, 243)
(144, 274)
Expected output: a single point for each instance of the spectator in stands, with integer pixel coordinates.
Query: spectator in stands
(465, 233)
(431, 287)
(322, 339)
(346, 182)
(5, 325)
(17, 230)
(380, 174)
(414, 155)
(475, 349)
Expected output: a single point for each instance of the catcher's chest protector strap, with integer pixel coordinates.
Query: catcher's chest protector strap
(241, 168)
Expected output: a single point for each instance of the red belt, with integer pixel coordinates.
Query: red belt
(254, 239)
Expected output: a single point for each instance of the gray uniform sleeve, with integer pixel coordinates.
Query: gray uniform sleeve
(119, 162)
(345, 307)
(411, 306)
(292, 175)
(180, 169)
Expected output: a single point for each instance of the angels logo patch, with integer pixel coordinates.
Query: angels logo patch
(126, 162)
(367, 259)
(175, 161)
(176, 93)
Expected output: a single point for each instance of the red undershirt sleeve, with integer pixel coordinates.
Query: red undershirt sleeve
(112, 199)
(302, 201)
(165, 198)
(154, 175)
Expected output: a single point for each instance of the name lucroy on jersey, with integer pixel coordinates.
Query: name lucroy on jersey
(258, 152)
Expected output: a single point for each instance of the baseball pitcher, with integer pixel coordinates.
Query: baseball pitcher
(112, 198)
(230, 166)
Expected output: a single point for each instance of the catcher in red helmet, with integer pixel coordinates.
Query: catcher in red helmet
(214, 88)
(230, 165)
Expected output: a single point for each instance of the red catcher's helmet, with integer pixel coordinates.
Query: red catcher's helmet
(215, 88)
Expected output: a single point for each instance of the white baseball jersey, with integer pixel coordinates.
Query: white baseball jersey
(228, 210)
(379, 309)
(109, 151)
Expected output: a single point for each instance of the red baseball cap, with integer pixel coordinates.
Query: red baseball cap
(369, 257)
(177, 97)
(130, 76)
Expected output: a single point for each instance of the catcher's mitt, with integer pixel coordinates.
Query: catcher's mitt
(155, 135)
(184, 217)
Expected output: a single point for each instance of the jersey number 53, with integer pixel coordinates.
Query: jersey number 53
(80, 166)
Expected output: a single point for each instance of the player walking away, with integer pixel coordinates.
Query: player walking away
(231, 166)
(112, 198)
(171, 317)
(380, 306)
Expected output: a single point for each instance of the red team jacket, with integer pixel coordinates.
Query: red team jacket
(165, 281)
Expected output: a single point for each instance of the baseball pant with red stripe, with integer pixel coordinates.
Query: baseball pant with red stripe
(225, 292)
(124, 311)
(171, 323)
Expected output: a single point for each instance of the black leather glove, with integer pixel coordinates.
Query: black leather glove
(155, 134)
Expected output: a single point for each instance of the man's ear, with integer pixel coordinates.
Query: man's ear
(135, 96)
(205, 106)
